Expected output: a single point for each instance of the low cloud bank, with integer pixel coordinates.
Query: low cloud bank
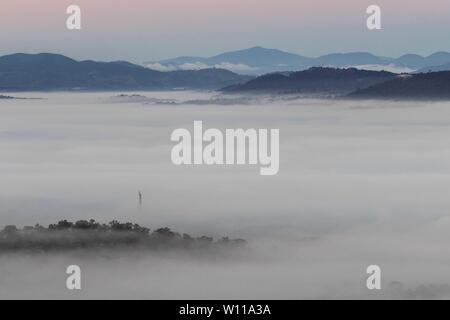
(360, 183)
(239, 68)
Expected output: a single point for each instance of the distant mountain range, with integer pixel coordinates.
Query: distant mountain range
(315, 80)
(45, 71)
(53, 72)
(258, 61)
(253, 61)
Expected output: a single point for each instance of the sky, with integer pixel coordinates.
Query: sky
(142, 30)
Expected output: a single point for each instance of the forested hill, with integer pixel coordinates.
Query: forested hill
(314, 80)
(52, 72)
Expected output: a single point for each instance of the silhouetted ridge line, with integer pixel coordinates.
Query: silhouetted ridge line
(433, 85)
(313, 80)
(49, 72)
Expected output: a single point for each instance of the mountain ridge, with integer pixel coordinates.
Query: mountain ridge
(432, 85)
(258, 60)
(48, 71)
(313, 80)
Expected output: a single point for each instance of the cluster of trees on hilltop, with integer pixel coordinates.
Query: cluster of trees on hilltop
(91, 234)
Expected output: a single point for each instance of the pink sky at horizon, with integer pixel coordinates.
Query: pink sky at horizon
(141, 30)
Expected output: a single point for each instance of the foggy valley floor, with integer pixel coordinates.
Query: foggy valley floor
(360, 183)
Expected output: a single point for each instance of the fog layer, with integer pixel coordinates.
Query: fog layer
(360, 183)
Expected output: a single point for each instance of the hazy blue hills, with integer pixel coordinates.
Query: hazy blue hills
(258, 61)
(416, 62)
(46, 71)
(349, 59)
(433, 85)
(260, 56)
(313, 80)
(53, 72)
(255, 60)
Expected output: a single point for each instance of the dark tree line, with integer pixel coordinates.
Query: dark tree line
(91, 234)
